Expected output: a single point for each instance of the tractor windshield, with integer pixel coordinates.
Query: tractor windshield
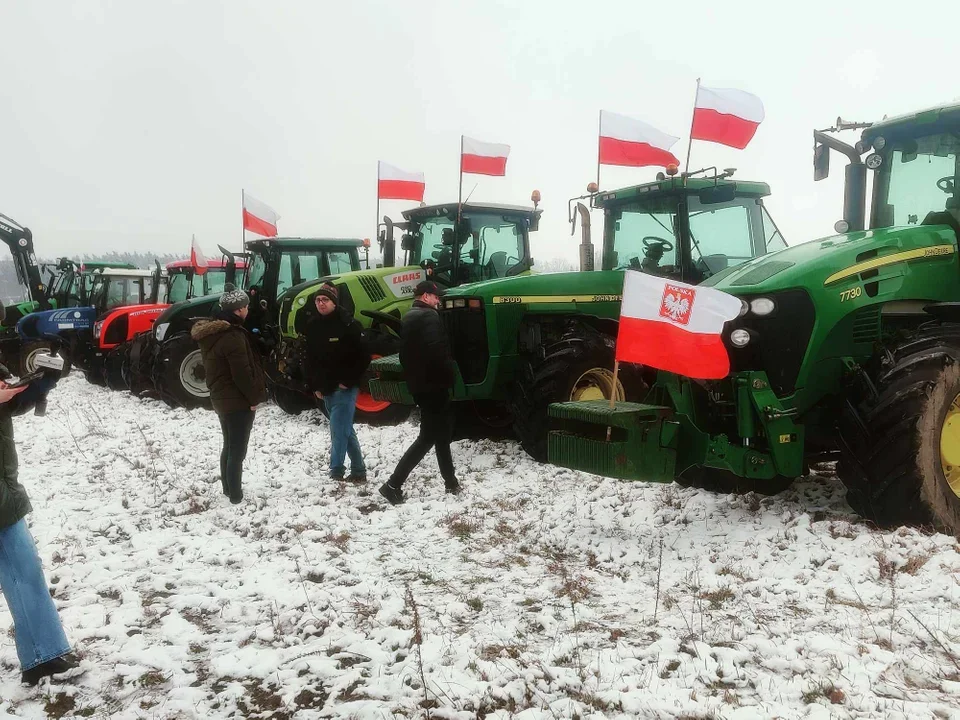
(178, 289)
(111, 292)
(647, 236)
(489, 245)
(918, 176)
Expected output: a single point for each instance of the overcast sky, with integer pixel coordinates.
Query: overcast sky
(129, 124)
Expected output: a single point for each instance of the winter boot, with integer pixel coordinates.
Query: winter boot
(57, 666)
(393, 494)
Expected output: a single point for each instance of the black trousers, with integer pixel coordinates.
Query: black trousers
(436, 429)
(236, 428)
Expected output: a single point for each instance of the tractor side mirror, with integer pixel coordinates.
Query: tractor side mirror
(821, 162)
(408, 242)
(718, 194)
(447, 237)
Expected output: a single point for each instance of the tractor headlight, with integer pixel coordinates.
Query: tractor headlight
(879, 142)
(762, 306)
(161, 331)
(740, 338)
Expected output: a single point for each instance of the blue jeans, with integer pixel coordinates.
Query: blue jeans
(36, 625)
(341, 406)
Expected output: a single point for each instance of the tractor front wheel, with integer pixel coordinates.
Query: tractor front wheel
(900, 437)
(26, 360)
(181, 378)
(578, 367)
(115, 367)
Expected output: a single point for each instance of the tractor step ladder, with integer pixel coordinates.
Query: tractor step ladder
(642, 442)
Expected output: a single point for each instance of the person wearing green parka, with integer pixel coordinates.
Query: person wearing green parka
(42, 646)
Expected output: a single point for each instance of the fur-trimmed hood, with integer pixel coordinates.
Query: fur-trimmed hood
(208, 327)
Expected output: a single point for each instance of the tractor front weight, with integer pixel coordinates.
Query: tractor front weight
(657, 442)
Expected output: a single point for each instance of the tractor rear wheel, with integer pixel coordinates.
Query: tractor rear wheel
(181, 378)
(900, 437)
(291, 401)
(114, 370)
(578, 367)
(26, 360)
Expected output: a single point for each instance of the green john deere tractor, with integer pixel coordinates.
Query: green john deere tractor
(521, 343)
(271, 267)
(487, 242)
(848, 347)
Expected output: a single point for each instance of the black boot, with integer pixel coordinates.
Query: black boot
(393, 494)
(452, 486)
(57, 666)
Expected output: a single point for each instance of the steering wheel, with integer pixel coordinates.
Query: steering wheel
(947, 184)
(665, 245)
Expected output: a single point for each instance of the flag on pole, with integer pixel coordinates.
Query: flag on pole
(197, 258)
(726, 116)
(482, 158)
(631, 142)
(396, 184)
(675, 327)
(259, 217)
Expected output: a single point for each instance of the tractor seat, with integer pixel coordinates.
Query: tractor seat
(944, 217)
(497, 264)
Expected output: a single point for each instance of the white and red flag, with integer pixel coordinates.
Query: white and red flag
(396, 184)
(726, 116)
(631, 142)
(197, 258)
(483, 158)
(675, 327)
(259, 217)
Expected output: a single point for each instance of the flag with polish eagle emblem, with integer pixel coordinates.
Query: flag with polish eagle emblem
(675, 327)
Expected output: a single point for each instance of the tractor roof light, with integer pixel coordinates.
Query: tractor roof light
(592, 188)
(841, 226)
(672, 169)
(366, 242)
(740, 338)
(762, 306)
(874, 161)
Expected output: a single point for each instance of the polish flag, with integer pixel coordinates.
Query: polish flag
(726, 116)
(482, 158)
(259, 217)
(396, 184)
(675, 327)
(197, 258)
(631, 142)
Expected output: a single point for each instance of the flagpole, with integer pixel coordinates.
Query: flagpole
(376, 227)
(242, 207)
(460, 190)
(599, 130)
(693, 115)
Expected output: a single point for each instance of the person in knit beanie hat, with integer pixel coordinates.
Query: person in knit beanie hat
(233, 298)
(330, 292)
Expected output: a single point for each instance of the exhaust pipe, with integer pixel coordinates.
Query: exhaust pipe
(586, 245)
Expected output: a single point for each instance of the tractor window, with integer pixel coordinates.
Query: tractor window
(296, 268)
(720, 236)
(339, 262)
(772, 238)
(179, 284)
(213, 280)
(919, 176)
(645, 235)
(122, 291)
(501, 247)
(430, 242)
(255, 271)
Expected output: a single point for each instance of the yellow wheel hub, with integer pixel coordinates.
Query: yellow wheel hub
(950, 446)
(597, 384)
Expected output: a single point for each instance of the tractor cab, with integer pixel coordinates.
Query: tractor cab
(187, 281)
(687, 229)
(114, 287)
(469, 243)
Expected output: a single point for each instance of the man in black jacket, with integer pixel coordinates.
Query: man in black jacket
(336, 360)
(429, 371)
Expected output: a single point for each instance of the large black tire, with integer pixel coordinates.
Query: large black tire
(579, 366)
(902, 432)
(724, 481)
(291, 401)
(114, 372)
(139, 366)
(25, 361)
(179, 373)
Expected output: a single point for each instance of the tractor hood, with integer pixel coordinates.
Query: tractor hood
(839, 260)
(557, 287)
(52, 322)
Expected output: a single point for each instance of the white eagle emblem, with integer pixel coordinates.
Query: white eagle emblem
(677, 303)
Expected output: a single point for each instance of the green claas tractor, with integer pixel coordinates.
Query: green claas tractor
(521, 343)
(847, 347)
(487, 242)
(272, 266)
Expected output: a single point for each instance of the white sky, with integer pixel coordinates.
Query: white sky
(132, 124)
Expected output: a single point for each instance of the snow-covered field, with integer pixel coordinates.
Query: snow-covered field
(538, 593)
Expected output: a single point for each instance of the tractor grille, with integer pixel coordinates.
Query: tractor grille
(371, 286)
(866, 324)
(467, 330)
(781, 339)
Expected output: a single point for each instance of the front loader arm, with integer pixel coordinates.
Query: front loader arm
(20, 241)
